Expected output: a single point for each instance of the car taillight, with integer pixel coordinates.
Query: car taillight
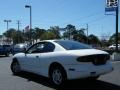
(95, 59)
(83, 59)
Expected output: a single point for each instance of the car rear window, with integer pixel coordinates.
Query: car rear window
(72, 45)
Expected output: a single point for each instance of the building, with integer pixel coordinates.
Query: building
(5, 40)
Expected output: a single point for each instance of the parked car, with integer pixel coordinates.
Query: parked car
(62, 60)
(8, 47)
(17, 48)
(5, 50)
(113, 46)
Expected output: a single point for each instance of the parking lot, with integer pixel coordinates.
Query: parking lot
(28, 81)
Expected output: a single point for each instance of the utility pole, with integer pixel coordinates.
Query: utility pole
(113, 6)
(117, 14)
(7, 21)
(18, 23)
(87, 32)
(30, 7)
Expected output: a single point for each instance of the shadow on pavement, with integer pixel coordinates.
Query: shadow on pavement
(71, 85)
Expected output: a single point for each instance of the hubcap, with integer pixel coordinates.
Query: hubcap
(57, 77)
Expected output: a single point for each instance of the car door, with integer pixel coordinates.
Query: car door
(46, 57)
(32, 58)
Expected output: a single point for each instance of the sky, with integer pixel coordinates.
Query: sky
(46, 13)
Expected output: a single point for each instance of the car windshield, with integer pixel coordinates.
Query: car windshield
(19, 46)
(72, 45)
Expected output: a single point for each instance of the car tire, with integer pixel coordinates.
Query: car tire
(57, 76)
(7, 54)
(15, 67)
(112, 49)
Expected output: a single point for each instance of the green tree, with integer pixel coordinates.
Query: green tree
(19, 38)
(81, 31)
(48, 35)
(39, 32)
(80, 36)
(55, 30)
(14, 35)
(112, 39)
(10, 33)
(94, 40)
(70, 31)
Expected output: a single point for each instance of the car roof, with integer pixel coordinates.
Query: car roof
(55, 40)
(49, 40)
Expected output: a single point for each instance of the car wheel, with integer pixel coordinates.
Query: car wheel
(15, 67)
(7, 54)
(58, 76)
(111, 49)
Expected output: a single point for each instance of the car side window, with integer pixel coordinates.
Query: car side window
(48, 47)
(37, 48)
(41, 47)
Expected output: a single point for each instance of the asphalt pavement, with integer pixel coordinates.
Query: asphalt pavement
(29, 81)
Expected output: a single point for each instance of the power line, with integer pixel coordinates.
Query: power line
(88, 16)
(93, 21)
(96, 20)
(82, 17)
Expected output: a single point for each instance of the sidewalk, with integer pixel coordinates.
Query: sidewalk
(115, 57)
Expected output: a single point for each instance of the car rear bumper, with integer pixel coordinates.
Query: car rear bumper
(87, 70)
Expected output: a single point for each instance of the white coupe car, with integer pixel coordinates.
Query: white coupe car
(62, 60)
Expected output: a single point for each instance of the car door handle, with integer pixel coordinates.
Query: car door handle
(37, 56)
